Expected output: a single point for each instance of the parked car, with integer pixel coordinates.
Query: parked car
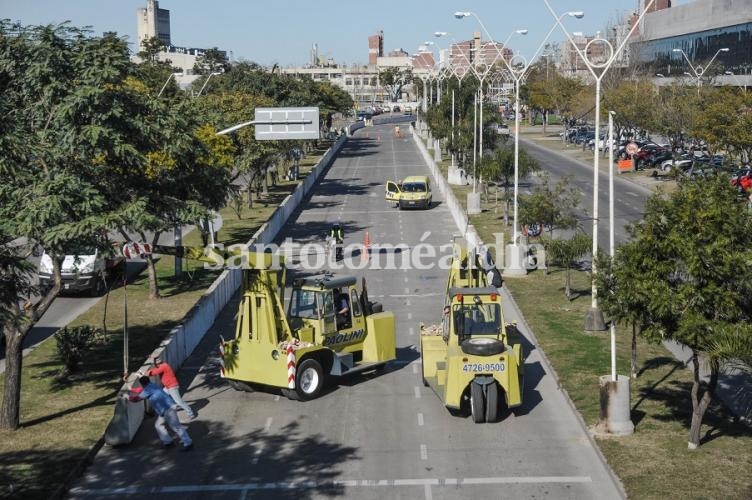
(408, 110)
(396, 109)
(680, 164)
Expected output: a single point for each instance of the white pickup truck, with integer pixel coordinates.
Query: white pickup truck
(85, 270)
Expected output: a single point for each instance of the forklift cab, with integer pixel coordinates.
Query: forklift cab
(313, 310)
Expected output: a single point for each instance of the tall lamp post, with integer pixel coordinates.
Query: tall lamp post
(698, 70)
(206, 82)
(513, 265)
(172, 75)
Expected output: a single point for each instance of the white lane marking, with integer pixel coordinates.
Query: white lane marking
(407, 290)
(407, 302)
(409, 315)
(405, 279)
(423, 452)
(417, 392)
(427, 491)
(276, 398)
(420, 419)
(268, 424)
(351, 483)
(630, 193)
(415, 369)
(412, 331)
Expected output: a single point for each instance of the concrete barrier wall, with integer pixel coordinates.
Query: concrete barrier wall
(184, 338)
(455, 208)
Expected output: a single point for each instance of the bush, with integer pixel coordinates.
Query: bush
(72, 343)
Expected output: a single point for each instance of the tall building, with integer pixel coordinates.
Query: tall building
(375, 47)
(151, 22)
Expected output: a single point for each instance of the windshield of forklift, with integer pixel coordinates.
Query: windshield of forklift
(477, 319)
(303, 304)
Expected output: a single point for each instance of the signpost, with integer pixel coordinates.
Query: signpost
(273, 124)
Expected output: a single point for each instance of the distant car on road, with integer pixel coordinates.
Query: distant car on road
(408, 110)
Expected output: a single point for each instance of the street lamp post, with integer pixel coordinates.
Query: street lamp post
(206, 82)
(172, 75)
(698, 70)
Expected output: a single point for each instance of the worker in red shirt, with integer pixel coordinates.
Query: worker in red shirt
(170, 384)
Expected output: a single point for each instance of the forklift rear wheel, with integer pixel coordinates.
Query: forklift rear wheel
(477, 403)
(309, 380)
(492, 402)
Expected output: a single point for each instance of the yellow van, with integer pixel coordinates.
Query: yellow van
(411, 192)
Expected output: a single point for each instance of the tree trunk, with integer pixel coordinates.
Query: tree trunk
(633, 362)
(567, 289)
(545, 122)
(153, 285)
(700, 403)
(9, 413)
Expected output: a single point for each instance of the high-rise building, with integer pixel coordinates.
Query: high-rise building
(153, 22)
(375, 47)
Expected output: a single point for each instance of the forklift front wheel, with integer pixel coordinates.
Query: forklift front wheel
(492, 402)
(309, 380)
(477, 403)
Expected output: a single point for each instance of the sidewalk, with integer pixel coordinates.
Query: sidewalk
(734, 387)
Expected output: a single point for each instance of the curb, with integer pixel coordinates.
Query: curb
(76, 472)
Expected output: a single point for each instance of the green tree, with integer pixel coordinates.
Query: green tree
(566, 252)
(62, 109)
(150, 49)
(726, 122)
(692, 253)
(211, 61)
(554, 206)
(394, 79)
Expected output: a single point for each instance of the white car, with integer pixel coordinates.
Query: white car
(680, 165)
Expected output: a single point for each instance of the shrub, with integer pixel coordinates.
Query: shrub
(72, 343)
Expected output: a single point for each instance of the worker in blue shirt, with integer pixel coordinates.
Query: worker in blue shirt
(164, 406)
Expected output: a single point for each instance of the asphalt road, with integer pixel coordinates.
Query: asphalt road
(372, 436)
(629, 197)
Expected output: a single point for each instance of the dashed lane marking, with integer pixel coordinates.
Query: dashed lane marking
(320, 485)
(423, 452)
(417, 392)
(420, 419)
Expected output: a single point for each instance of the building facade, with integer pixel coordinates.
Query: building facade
(700, 29)
(375, 47)
(151, 22)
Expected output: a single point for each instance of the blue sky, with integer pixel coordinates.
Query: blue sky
(283, 31)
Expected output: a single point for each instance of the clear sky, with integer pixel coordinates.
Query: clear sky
(283, 31)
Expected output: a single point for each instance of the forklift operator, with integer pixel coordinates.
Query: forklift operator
(343, 309)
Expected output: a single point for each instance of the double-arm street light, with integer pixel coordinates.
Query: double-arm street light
(698, 70)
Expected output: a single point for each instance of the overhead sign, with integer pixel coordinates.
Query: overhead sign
(632, 148)
(274, 124)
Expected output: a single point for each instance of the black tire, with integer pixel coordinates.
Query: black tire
(376, 307)
(99, 287)
(477, 403)
(482, 346)
(492, 402)
(241, 386)
(309, 380)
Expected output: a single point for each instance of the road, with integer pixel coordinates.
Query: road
(629, 200)
(371, 436)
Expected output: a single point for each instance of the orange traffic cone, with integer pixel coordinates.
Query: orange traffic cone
(366, 247)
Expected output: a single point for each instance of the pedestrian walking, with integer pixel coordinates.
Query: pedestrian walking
(164, 407)
(170, 384)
